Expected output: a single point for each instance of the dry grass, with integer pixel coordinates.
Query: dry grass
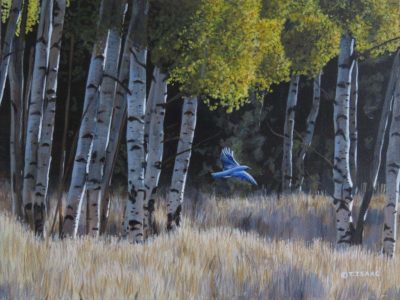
(255, 248)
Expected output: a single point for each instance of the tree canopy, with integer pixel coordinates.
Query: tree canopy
(215, 48)
(369, 22)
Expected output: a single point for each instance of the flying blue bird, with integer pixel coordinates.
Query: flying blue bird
(232, 168)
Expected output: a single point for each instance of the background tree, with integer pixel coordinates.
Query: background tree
(309, 39)
(40, 66)
(219, 68)
(373, 171)
(11, 12)
(44, 157)
(369, 23)
(103, 118)
(86, 131)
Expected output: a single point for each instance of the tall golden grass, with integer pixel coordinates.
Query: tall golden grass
(245, 248)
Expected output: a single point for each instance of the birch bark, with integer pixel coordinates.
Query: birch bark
(156, 113)
(379, 142)
(117, 124)
(353, 125)
(136, 105)
(49, 111)
(308, 136)
(34, 125)
(87, 128)
(181, 166)
(343, 190)
(103, 119)
(287, 167)
(392, 178)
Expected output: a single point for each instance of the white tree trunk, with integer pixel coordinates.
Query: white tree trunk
(156, 111)
(135, 145)
(379, 143)
(49, 109)
(8, 44)
(134, 216)
(107, 94)
(117, 124)
(392, 178)
(308, 136)
(353, 125)
(87, 128)
(343, 191)
(35, 106)
(181, 166)
(287, 167)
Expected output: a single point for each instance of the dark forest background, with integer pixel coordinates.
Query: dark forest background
(254, 132)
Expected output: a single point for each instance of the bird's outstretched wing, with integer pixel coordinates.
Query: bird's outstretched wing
(227, 159)
(228, 173)
(243, 175)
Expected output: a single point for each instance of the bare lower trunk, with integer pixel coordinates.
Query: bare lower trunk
(8, 44)
(87, 128)
(287, 168)
(49, 111)
(392, 178)
(155, 144)
(343, 191)
(61, 163)
(379, 143)
(16, 78)
(35, 107)
(103, 119)
(182, 160)
(308, 136)
(353, 125)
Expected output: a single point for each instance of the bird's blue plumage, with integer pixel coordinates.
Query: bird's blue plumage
(227, 159)
(231, 168)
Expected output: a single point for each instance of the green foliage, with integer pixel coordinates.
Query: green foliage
(370, 22)
(311, 41)
(274, 66)
(5, 9)
(33, 15)
(208, 47)
(310, 38)
(80, 22)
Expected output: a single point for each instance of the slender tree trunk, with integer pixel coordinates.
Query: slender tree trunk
(86, 131)
(287, 169)
(308, 136)
(379, 142)
(117, 125)
(353, 125)
(35, 107)
(133, 222)
(27, 93)
(157, 99)
(49, 111)
(343, 191)
(16, 78)
(107, 94)
(61, 165)
(181, 166)
(392, 178)
(8, 43)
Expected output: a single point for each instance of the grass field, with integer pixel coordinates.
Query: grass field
(246, 248)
